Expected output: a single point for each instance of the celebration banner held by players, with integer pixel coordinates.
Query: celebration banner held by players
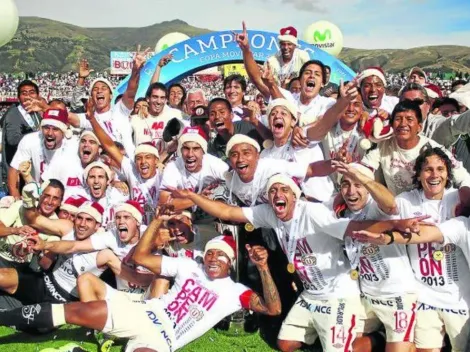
(220, 48)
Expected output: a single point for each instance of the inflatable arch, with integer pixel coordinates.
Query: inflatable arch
(220, 48)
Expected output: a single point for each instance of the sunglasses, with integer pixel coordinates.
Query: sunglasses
(417, 101)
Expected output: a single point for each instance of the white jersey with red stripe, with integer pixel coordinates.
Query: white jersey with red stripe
(196, 303)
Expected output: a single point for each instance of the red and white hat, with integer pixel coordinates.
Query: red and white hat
(285, 180)
(288, 34)
(57, 118)
(224, 243)
(101, 165)
(91, 134)
(193, 134)
(433, 91)
(147, 148)
(239, 139)
(133, 208)
(71, 204)
(95, 210)
(419, 71)
(372, 71)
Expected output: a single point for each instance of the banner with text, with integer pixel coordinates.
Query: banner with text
(121, 62)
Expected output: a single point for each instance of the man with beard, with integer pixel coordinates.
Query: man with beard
(141, 173)
(287, 62)
(372, 83)
(148, 125)
(41, 148)
(115, 121)
(311, 237)
(193, 168)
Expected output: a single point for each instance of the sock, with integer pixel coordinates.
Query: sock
(33, 316)
(58, 315)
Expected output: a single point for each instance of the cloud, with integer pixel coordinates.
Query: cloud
(306, 5)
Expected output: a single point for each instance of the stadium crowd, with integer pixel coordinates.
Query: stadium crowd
(340, 211)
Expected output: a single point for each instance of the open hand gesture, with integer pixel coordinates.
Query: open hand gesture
(140, 58)
(84, 68)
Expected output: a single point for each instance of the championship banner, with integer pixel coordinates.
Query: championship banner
(220, 48)
(121, 62)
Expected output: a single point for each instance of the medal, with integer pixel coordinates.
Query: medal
(268, 144)
(354, 274)
(291, 268)
(438, 255)
(249, 227)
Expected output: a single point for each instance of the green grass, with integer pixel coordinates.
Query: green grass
(213, 341)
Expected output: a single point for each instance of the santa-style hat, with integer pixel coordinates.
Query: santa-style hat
(433, 91)
(288, 34)
(193, 134)
(147, 148)
(362, 169)
(133, 208)
(224, 243)
(91, 134)
(94, 209)
(103, 80)
(372, 71)
(239, 139)
(58, 118)
(72, 203)
(101, 165)
(419, 71)
(285, 180)
(284, 103)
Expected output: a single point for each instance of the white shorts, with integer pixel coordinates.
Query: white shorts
(335, 321)
(432, 323)
(397, 314)
(144, 324)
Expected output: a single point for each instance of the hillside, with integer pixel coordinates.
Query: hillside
(47, 45)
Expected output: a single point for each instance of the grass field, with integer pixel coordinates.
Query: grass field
(12, 341)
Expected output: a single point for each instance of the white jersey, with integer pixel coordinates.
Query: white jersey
(398, 164)
(313, 110)
(442, 283)
(337, 137)
(313, 242)
(196, 303)
(68, 170)
(116, 124)
(69, 266)
(31, 148)
(384, 271)
(320, 188)
(176, 175)
(144, 191)
(254, 192)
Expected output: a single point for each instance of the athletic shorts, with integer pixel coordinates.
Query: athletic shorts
(335, 321)
(397, 314)
(145, 325)
(432, 323)
(40, 288)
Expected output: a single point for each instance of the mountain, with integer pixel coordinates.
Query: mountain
(46, 45)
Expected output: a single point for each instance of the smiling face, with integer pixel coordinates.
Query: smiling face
(354, 193)
(127, 227)
(353, 112)
(433, 177)
(156, 101)
(220, 117)
(53, 137)
(97, 181)
(146, 165)
(406, 126)
(193, 100)
(282, 200)
(281, 123)
(311, 81)
(287, 50)
(244, 160)
(84, 226)
(180, 227)
(50, 200)
(27, 93)
(234, 93)
(66, 215)
(88, 150)
(192, 154)
(372, 91)
(175, 96)
(418, 97)
(216, 264)
(101, 96)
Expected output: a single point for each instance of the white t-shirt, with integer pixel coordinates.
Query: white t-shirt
(398, 164)
(69, 266)
(196, 303)
(320, 188)
(442, 283)
(336, 137)
(68, 170)
(318, 253)
(31, 148)
(150, 129)
(316, 108)
(144, 191)
(255, 191)
(116, 123)
(388, 104)
(175, 174)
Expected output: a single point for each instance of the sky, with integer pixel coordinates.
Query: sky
(365, 24)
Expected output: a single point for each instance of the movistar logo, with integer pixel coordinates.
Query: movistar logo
(321, 37)
(165, 46)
